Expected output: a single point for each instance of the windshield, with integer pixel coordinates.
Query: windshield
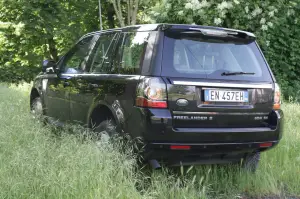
(213, 58)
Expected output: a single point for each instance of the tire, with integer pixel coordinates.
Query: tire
(106, 130)
(251, 162)
(37, 108)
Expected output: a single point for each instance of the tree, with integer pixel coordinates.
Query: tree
(37, 30)
(132, 8)
(130, 12)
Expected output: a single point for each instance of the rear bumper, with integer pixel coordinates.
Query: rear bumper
(158, 128)
(212, 145)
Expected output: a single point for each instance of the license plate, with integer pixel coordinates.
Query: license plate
(225, 96)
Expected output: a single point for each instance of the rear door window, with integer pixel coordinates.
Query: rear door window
(194, 56)
(132, 51)
(103, 53)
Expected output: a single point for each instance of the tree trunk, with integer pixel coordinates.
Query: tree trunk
(132, 10)
(110, 17)
(135, 10)
(129, 3)
(52, 49)
(118, 11)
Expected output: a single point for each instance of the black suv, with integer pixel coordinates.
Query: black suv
(194, 94)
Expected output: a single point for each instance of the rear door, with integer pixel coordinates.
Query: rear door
(115, 72)
(216, 81)
(91, 83)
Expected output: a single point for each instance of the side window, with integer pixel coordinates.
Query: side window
(76, 59)
(132, 52)
(103, 54)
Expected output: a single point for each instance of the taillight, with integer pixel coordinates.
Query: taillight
(277, 100)
(151, 92)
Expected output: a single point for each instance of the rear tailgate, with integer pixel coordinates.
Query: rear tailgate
(219, 87)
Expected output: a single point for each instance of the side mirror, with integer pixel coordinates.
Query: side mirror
(48, 65)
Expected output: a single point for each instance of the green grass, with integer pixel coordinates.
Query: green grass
(37, 163)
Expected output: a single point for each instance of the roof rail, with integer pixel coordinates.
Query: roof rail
(164, 26)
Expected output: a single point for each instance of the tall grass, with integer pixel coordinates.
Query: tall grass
(35, 162)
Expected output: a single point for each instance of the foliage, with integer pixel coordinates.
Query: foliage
(275, 23)
(35, 30)
(283, 53)
(129, 12)
(31, 30)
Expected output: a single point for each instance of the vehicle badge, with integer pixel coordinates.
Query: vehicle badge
(182, 102)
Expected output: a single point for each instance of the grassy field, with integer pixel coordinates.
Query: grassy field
(36, 162)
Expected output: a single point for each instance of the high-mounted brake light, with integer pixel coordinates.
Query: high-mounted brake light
(211, 32)
(151, 92)
(277, 101)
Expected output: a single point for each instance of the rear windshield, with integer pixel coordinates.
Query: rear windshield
(195, 56)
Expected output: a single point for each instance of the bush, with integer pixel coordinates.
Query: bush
(17, 73)
(275, 23)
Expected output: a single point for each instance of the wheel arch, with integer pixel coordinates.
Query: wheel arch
(33, 95)
(101, 112)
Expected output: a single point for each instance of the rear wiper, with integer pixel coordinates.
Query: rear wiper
(236, 73)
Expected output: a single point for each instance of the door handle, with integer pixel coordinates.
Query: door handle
(66, 83)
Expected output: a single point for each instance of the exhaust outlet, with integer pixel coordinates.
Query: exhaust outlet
(154, 164)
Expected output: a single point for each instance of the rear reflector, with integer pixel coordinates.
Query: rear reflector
(265, 145)
(180, 147)
(276, 106)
